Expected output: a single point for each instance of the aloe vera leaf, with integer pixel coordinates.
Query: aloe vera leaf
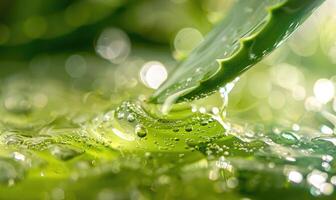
(250, 32)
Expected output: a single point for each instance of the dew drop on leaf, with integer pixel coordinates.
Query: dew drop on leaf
(120, 115)
(63, 152)
(188, 128)
(204, 122)
(130, 118)
(176, 130)
(141, 131)
(288, 137)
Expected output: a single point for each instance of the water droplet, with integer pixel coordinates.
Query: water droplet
(141, 131)
(120, 115)
(18, 156)
(131, 118)
(64, 153)
(288, 137)
(325, 141)
(252, 56)
(148, 155)
(326, 130)
(326, 166)
(224, 92)
(204, 122)
(188, 128)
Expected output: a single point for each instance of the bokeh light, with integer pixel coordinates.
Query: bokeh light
(324, 90)
(153, 74)
(114, 45)
(186, 40)
(76, 66)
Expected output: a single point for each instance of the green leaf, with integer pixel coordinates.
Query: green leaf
(251, 30)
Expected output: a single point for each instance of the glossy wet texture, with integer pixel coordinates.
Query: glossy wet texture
(127, 151)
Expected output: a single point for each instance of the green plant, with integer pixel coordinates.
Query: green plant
(250, 32)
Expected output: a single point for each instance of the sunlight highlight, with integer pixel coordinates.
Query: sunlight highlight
(324, 90)
(153, 74)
